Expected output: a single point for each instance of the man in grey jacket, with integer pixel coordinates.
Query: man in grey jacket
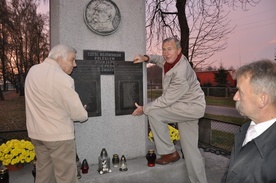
(181, 102)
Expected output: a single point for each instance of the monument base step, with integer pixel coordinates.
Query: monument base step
(139, 172)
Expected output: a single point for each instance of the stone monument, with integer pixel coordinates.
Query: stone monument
(104, 26)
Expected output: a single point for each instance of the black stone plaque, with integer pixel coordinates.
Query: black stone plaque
(107, 59)
(128, 86)
(88, 86)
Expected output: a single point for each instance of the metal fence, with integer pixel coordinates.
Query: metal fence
(219, 91)
(217, 136)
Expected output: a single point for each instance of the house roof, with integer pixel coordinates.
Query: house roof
(205, 77)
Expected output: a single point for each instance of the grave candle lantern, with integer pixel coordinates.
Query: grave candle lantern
(84, 166)
(115, 160)
(123, 164)
(104, 162)
(151, 157)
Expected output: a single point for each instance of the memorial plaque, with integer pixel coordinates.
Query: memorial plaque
(128, 86)
(102, 16)
(88, 86)
(107, 59)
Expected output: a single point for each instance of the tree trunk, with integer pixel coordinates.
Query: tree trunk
(184, 27)
(1, 95)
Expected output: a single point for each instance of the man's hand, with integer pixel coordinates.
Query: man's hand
(139, 59)
(138, 111)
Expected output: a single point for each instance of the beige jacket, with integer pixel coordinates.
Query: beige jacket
(52, 105)
(179, 84)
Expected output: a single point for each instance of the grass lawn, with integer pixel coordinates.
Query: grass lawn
(220, 101)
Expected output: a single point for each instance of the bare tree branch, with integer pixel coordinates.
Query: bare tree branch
(203, 26)
(26, 40)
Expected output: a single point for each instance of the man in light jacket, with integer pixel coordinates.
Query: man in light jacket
(52, 107)
(181, 102)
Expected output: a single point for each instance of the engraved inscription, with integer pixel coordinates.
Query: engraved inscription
(106, 59)
(128, 86)
(87, 85)
(129, 94)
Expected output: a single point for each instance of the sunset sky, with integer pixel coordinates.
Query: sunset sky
(254, 37)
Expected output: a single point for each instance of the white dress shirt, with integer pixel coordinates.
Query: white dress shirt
(255, 130)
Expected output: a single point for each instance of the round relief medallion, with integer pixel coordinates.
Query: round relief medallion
(102, 16)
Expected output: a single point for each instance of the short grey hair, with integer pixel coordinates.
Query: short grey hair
(177, 42)
(61, 50)
(262, 76)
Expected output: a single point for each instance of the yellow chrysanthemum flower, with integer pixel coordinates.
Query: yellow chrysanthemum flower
(174, 134)
(17, 152)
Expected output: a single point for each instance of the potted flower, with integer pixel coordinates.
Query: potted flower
(174, 134)
(17, 152)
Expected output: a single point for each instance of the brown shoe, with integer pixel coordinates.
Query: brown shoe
(165, 159)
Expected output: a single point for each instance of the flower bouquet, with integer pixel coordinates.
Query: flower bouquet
(174, 134)
(16, 152)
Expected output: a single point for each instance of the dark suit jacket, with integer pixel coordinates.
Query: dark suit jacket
(256, 161)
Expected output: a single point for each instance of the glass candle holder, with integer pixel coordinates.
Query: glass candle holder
(123, 164)
(4, 174)
(84, 166)
(115, 160)
(104, 162)
(78, 166)
(34, 169)
(151, 157)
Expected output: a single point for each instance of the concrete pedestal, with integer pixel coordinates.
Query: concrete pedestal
(125, 134)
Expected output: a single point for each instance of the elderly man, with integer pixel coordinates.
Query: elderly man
(52, 105)
(181, 102)
(254, 153)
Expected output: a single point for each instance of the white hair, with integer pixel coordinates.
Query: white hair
(61, 50)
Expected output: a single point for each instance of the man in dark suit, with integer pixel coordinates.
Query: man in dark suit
(253, 156)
